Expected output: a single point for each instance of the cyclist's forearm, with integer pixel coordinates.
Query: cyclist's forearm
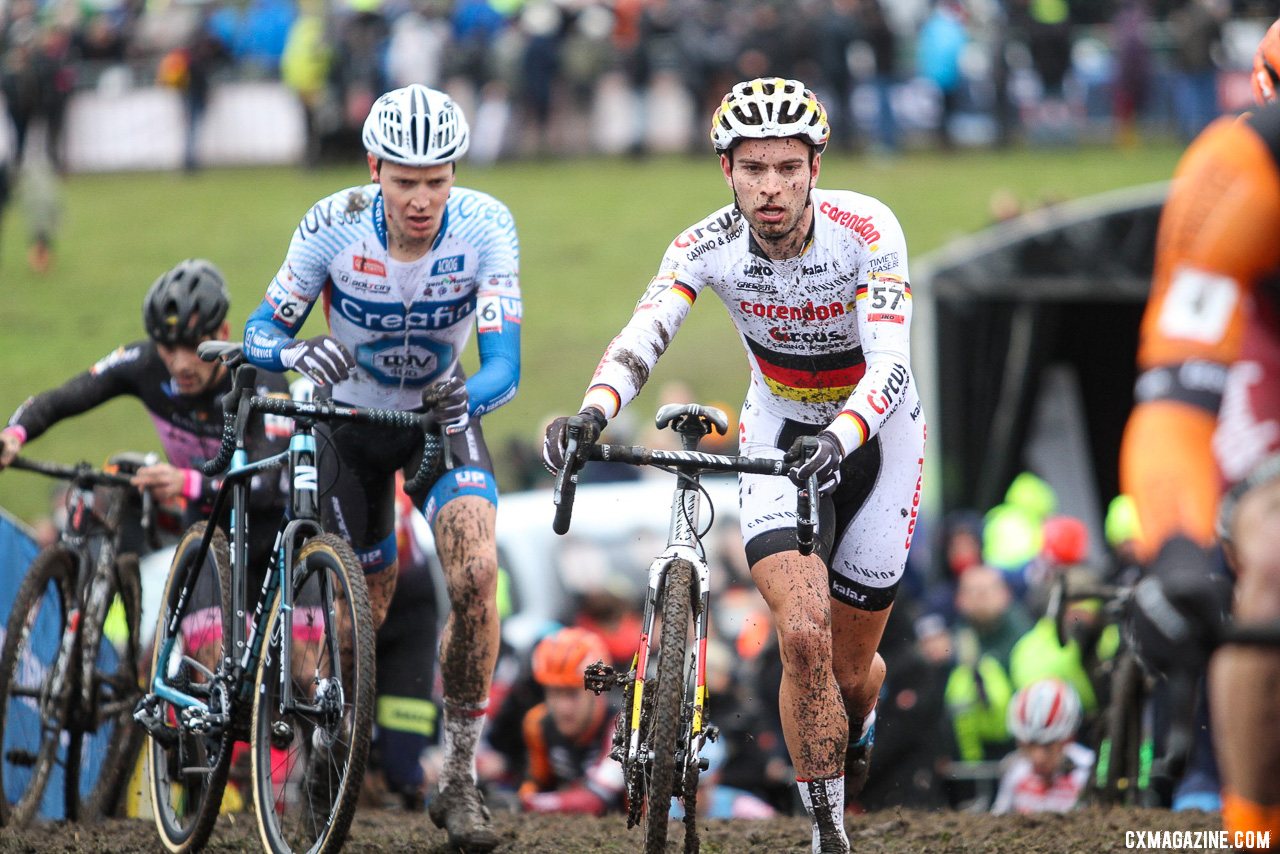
(631, 356)
(265, 336)
(79, 394)
(499, 376)
(874, 399)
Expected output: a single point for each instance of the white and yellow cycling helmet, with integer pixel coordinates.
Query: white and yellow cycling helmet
(769, 108)
(416, 126)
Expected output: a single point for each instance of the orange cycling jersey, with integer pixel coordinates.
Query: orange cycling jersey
(1218, 242)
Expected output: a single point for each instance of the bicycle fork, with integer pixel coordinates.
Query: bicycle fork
(628, 748)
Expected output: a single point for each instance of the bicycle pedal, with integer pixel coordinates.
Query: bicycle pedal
(601, 677)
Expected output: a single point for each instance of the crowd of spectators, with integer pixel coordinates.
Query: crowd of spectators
(548, 76)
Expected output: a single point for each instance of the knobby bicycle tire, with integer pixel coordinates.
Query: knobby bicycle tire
(663, 740)
(188, 771)
(1124, 732)
(26, 706)
(112, 697)
(308, 769)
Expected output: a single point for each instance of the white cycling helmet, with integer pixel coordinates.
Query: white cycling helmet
(1044, 712)
(416, 126)
(769, 108)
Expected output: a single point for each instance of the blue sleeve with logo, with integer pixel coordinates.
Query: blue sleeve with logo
(499, 313)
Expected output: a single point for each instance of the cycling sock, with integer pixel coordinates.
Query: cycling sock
(866, 736)
(462, 725)
(824, 802)
(1250, 825)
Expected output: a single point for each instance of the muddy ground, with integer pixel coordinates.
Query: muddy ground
(894, 831)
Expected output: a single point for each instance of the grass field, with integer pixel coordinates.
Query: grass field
(591, 231)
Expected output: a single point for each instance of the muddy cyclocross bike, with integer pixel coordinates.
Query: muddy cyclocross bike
(1141, 751)
(294, 676)
(663, 725)
(69, 664)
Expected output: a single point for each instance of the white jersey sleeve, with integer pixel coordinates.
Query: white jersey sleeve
(882, 303)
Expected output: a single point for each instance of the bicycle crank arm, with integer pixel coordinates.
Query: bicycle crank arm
(147, 713)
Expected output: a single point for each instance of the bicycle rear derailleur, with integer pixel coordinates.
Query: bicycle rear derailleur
(601, 677)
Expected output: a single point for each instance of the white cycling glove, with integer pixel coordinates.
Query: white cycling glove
(321, 359)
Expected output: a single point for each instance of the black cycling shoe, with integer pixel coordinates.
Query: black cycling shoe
(460, 810)
(857, 764)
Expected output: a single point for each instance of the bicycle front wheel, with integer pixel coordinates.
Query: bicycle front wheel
(313, 703)
(103, 748)
(1124, 733)
(661, 728)
(188, 769)
(35, 683)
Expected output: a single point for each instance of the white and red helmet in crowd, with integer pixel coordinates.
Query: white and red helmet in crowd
(1044, 712)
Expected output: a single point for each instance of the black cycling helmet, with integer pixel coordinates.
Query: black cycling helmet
(186, 304)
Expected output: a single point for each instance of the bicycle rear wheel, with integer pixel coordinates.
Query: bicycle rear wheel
(661, 730)
(106, 728)
(35, 683)
(310, 745)
(188, 770)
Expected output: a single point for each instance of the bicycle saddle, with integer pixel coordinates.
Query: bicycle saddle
(686, 415)
(230, 352)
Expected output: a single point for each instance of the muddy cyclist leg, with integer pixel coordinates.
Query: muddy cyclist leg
(1244, 681)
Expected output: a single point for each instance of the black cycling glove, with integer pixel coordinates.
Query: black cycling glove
(447, 404)
(825, 462)
(553, 445)
(1178, 610)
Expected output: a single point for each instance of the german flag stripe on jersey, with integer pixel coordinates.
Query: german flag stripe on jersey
(861, 291)
(825, 377)
(685, 291)
(859, 423)
(611, 392)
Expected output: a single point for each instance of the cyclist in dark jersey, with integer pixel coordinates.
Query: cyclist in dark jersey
(185, 306)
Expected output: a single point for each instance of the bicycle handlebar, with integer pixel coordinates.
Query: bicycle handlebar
(238, 404)
(637, 455)
(82, 474)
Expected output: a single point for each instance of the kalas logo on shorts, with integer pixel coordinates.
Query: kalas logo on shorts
(859, 225)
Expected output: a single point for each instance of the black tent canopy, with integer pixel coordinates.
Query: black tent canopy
(1033, 325)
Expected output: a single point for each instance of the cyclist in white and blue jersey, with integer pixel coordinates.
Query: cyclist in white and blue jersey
(404, 266)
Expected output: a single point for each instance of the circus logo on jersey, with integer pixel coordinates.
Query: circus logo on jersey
(726, 223)
(372, 266)
(412, 363)
(859, 225)
(884, 400)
